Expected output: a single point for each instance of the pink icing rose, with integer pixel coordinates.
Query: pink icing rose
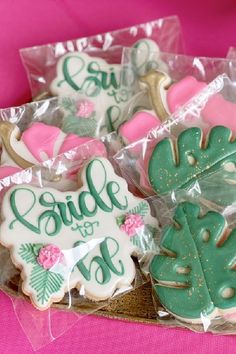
(131, 224)
(49, 255)
(84, 108)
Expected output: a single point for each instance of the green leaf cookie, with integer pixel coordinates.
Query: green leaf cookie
(176, 166)
(195, 276)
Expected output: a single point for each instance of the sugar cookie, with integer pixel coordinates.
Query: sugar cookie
(194, 276)
(82, 239)
(176, 165)
(38, 143)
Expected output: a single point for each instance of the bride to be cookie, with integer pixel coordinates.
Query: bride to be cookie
(82, 239)
(108, 86)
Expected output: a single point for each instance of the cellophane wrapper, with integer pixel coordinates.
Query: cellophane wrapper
(58, 169)
(197, 219)
(231, 53)
(40, 61)
(177, 66)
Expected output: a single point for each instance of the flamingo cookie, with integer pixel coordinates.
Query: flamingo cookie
(166, 97)
(38, 143)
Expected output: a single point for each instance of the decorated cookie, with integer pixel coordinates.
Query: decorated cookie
(80, 117)
(165, 98)
(38, 143)
(219, 111)
(146, 56)
(102, 84)
(194, 276)
(176, 165)
(138, 126)
(82, 239)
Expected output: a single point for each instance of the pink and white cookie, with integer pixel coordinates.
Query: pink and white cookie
(80, 239)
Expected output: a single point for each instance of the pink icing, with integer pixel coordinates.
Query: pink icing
(6, 171)
(219, 111)
(142, 122)
(71, 141)
(84, 108)
(138, 126)
(230, 317)
(182, 91)
(49, 255)
(132, 223)
(40, 138)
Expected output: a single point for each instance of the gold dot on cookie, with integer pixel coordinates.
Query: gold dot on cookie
(227, 293)
(205, 235)
(191, 159)
(229, 167)
(183, 270)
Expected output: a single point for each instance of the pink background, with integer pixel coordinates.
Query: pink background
(209, 28)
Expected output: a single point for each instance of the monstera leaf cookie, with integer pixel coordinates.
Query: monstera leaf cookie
(176, 165)
(195, 276)
(82, 239)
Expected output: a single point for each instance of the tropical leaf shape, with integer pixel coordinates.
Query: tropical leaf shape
(145, 239)
(174, 167)
(29, 252)
(142, 209)
(195, 276)
(80, 126)
(69, 104)
(45, 283)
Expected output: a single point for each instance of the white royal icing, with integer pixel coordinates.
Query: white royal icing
(84, 227)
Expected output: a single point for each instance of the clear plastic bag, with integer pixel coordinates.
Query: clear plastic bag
(180, 65)
(69, 255)
(193, 276)
(35, 132)
(40, 61)
(231, 53)
(31, 134)
(190, 166)
(215, 109)
(91, 67)
(160, 90)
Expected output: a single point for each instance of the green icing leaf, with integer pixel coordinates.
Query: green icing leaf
(142, 209)
(172, 168)
(45, 283)
(68, 104)
(29, 252)
(195, 275)
(120, 220)
(80, 126)
(145, 239)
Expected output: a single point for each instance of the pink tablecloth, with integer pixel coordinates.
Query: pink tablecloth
(209, 28)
